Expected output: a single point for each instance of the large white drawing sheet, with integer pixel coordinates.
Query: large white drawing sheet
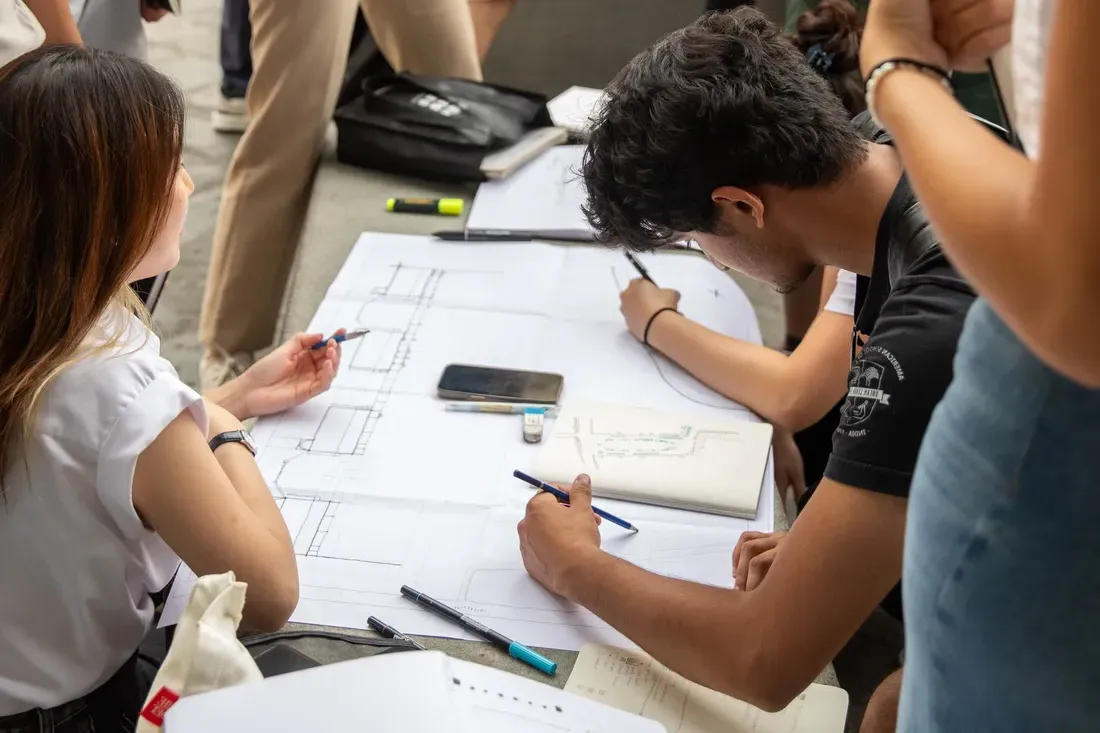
(380, 486)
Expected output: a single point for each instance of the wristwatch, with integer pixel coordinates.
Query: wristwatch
(233, 436)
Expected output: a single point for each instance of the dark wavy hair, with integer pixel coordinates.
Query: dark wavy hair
(727, 101)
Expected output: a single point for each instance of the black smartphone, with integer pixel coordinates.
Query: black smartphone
(491, 384)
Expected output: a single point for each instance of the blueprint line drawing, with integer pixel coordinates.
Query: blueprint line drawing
(665, 369)
(380, 486)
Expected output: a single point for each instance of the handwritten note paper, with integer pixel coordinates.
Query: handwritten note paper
(635, 682)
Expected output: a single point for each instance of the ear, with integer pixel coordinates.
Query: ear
(739, 204)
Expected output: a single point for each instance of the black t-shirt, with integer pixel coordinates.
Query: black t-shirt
(910, 315)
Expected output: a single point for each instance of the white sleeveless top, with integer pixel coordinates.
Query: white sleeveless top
(76, 564)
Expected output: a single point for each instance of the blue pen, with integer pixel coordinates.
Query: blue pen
(514, 648)
(564, 498)
(340, 338)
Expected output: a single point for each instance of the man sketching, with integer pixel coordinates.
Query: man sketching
(722, 133)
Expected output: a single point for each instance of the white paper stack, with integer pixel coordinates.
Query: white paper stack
(408, 692)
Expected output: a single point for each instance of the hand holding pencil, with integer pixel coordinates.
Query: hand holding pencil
(555, 540)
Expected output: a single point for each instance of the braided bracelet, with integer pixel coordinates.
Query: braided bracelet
(652, 318)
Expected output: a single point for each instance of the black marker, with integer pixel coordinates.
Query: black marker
(391, 633)
(494, 235)
(638, 266)
(514, 648)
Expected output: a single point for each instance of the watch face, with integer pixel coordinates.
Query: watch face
(246, 438)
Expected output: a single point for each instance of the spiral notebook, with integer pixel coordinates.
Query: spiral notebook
(698, 462)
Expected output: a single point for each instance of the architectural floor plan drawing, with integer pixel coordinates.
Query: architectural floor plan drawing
(381, 486)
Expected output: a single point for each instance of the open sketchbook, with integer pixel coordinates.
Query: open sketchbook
(699, 462)
(635, 682)
(410, 692)
(542, 199)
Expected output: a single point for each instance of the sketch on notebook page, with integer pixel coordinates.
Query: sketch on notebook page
(380, 486)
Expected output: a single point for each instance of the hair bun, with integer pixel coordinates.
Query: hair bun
(835, 27)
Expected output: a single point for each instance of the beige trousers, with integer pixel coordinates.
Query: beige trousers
(299, 54)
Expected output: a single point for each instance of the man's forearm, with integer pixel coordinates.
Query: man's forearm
(706, 634)
(56, 20)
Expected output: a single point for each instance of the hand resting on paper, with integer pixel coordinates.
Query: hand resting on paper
(555, 539)
(641, 300)
(752, 557)
(285, 378)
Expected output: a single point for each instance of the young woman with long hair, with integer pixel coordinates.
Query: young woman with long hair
(112, 470)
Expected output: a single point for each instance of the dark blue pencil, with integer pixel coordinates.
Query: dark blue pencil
(340, 338)
(564, 498)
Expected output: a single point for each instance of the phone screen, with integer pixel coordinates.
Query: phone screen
(462, 381)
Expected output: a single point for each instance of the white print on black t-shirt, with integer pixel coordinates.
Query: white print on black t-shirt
(867, 383)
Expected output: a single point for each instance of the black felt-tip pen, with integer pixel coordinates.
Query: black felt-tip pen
(391, 633)
(514, 648)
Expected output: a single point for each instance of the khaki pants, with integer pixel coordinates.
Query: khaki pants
(299, 54)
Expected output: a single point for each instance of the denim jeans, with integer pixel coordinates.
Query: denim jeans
(1002, 547)
(236, 48)
(114, 706)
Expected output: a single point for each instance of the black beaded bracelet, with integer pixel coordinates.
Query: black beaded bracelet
(652, 318)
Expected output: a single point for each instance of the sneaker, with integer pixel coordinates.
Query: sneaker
(231, 116)
(216, 367)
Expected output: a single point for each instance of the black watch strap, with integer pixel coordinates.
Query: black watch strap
(233, 436)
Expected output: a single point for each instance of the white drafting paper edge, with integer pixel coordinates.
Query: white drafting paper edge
(635, 682)
(700, 462)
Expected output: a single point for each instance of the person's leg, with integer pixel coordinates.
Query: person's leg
(882, 710)
(1000, 585)
(236, 48)
(236, 59)
(299, 52)
(488, 17)
(426, 36)
(113, 25)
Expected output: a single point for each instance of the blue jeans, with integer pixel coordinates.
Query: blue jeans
(236, 48)
(1002, 550)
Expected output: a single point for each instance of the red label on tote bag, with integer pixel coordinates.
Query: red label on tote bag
(154, 712)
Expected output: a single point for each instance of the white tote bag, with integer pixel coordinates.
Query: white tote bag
(20, 31)
(205, 654)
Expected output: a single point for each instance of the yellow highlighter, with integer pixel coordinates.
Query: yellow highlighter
(444, 207)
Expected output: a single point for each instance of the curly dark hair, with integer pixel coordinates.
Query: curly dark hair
(727, 101)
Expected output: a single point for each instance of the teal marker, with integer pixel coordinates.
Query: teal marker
(514, 648)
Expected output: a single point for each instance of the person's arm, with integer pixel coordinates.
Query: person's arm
(215, 511)
(56, 19)
(839, 560)
(790, 391)
(1022, 232)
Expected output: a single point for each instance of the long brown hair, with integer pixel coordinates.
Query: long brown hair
(90, 144)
